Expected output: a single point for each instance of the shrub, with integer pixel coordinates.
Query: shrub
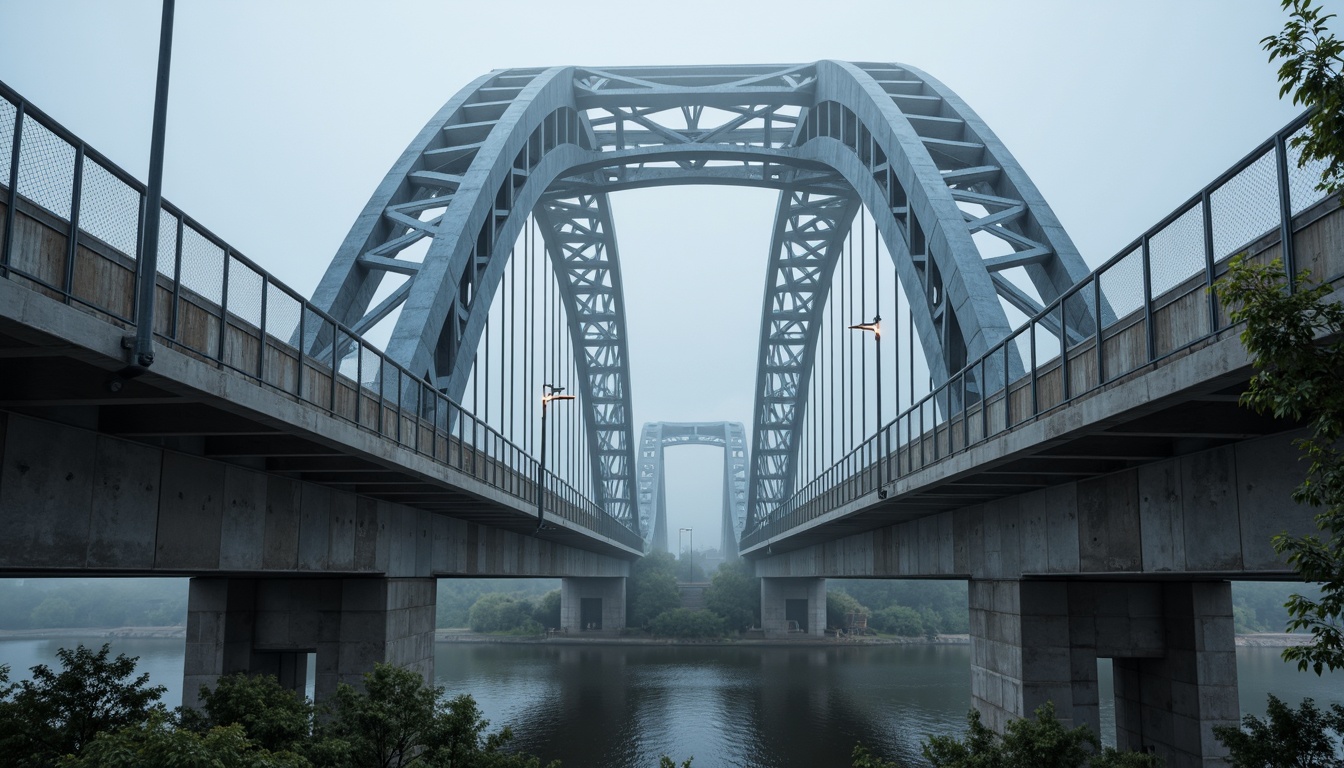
(686, 623)
(1286, 737)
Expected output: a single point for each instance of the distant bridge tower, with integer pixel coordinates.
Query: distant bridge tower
(652, 494)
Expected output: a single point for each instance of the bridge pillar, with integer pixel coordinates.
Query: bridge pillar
(269, 625)
(592, 604)
(1174, 659)
(793, 605)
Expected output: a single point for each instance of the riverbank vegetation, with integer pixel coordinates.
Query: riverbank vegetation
(97, 713)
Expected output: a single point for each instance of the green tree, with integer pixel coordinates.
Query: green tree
(651, 588)
(547, 612)
(499, 612)
(838, 607)
(156, 744)
(59, 713)
(1312, 69)
(398, 721)
(735, 595)
(1287, 738)
(687, 623)
(271, 716)
(864, 759)
(1297, 378)
(898, 620)
(1042, 742)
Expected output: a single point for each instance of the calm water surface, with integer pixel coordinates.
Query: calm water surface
(755, 707)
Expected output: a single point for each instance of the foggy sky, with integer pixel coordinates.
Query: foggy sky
(284, 116)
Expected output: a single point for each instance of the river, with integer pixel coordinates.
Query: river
(615, 706)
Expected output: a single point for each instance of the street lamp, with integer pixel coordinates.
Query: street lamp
(876, 327)
(690, 563)
(549, 392)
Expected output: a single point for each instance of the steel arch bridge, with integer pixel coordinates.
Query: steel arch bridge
(658, 436)
(831, 136)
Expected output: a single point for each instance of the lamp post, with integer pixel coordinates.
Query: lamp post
(690, 562)
(549, 392)
(876, 328)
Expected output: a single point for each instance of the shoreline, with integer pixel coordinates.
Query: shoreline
(1255, 640)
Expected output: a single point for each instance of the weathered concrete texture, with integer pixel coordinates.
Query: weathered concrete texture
(776, 618)
(1171, 642)
(1230, 500)
(76, 500)
(270, 625)
(609, 590)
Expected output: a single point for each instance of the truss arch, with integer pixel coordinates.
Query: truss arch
(654, 439)
(553, 143)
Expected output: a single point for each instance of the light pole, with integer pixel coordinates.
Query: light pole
(549, 392)
(876, 327)
(690, 560)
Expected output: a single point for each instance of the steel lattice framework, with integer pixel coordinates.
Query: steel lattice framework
(654, 439)
(830, 136)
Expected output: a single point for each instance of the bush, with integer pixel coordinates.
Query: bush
(547, 612)
(1039, 743)
(59, 713)
(838, 606)
(651, 589)
(271, 716)
(686, 623)
(498, 612)
(735, 595)
(898, 620)
(1287, 737)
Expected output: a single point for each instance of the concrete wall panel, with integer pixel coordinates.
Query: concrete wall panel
(191, 510)
(125, 505)
(46, 489)
(1108, 523)
(1161, 521)
(243, 528)
(1061, 533)
(1268, 471)
(1209, 496)
(280, 549)
(314, 527)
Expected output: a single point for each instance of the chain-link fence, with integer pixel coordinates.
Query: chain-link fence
(1152, 299)
(216, 305)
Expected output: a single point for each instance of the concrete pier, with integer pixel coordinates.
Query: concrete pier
(269, 625)
(793, 606)
(1172, 644)
(592, 604)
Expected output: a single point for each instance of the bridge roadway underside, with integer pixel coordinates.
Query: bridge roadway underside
(1106, 528)
(302, 532)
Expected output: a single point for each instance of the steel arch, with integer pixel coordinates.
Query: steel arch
(654, 439)
(884, 136)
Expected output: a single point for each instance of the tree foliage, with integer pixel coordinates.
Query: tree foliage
(687, 623)
(942, 605)
(1042, 742)
(735, 595)
(1286, 738)
(270, 715)
(1297, 377)
(157, 744)
(500, 612)
(651, 589)
(838, 607)
(59, 713)
(1312, 69)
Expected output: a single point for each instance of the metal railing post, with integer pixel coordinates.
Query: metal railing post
(1206, 201)
(1285, 211)
(12, 196)
(1149, 339)
(72, 241)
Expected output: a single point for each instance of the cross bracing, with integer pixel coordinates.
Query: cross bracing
(967, 231)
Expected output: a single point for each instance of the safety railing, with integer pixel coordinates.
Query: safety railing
(70, 228)
(1151, 300)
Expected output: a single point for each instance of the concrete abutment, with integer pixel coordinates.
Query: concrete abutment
(592, 604)
(793, 605)
(1172, 644)
(268, 625)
